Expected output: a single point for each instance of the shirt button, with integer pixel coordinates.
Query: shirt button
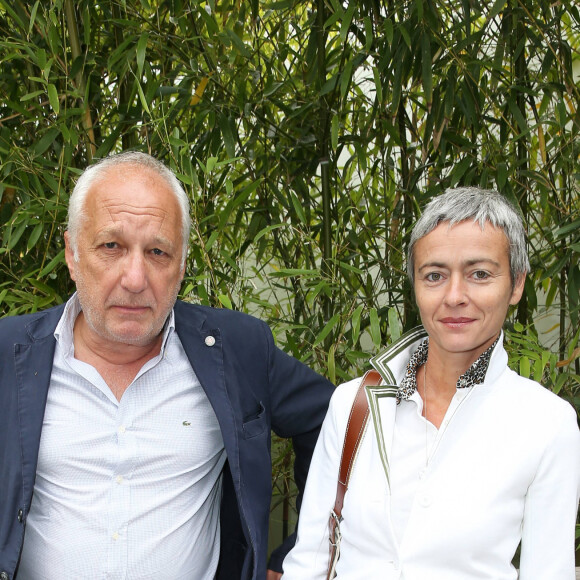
(119, 479)
(122, 429)
(116, 536)
(423, 473)
(425, 501)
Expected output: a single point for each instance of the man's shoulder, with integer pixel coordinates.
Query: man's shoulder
(214, 316)
(43, 322)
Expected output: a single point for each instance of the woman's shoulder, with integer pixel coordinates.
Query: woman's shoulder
(534, 397)
(345, 393)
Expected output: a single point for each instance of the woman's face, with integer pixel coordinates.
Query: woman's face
(463, 288)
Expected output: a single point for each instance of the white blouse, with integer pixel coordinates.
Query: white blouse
(503, 468)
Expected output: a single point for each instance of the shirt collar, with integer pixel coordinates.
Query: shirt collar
(64, 334)
(474, 375)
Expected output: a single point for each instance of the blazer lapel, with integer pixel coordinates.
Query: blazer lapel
(33, 367)
(203, 345)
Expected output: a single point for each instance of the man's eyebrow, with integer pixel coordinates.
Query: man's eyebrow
(116, 231)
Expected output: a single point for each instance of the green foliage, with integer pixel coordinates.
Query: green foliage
(308, 135)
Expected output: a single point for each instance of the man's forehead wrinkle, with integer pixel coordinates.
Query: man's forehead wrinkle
(114, 208)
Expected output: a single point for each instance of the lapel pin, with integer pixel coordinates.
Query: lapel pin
(209, 340)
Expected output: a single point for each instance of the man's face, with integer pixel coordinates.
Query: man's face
(129, 268)
(463, 288)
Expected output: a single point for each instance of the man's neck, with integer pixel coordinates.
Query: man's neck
(118, 363)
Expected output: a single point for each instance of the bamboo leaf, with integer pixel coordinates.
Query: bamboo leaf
(355, 324)
(210, 23)
(33, 16)
(502, 175)
(291, 272)
(345, 78)
(14, 236)
(346, 21)
(394, 329)
(266, 231)
(34, 236)
(378, 84)
(497, 7)
(368, 33)
(388, 29)
(426, 68)
(142, 98)
(141, 51)
(375, 328)
(32, 95)
(211, 240)
(225, 301)
(518, 116)
(39, 147)
(419, 7)
(227, 135)
(331, 364)
(53, 98)
(525, 367)
(334, 132)
(327, 329)
(297, 207)
(238, 43)
(52, 264)
(199, 91)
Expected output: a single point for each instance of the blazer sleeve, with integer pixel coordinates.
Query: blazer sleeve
(551, 505)
(299, 399)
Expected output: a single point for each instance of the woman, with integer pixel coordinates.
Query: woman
(466, 459)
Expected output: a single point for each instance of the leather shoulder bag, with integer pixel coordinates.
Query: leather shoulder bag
(355, 429)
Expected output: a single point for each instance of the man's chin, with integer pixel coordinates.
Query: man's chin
(132, 337)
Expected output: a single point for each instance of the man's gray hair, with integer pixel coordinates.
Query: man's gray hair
(76, 205)
(480, 206)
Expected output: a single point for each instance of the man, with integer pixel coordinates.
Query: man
(135, 428)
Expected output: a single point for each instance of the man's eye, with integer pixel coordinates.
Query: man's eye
(158, 252)
(110, 245)
(480, 275)
(433, 277)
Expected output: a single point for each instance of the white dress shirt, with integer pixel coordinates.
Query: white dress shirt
(125, 489)
(503, 467)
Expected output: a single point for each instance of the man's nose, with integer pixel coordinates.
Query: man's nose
(134, 276)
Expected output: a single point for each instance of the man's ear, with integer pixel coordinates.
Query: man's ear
(69, 255)
(518, 289)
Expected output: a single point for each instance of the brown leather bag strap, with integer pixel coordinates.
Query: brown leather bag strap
(355, 428)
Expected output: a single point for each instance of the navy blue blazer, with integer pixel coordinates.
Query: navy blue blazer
(252, 386)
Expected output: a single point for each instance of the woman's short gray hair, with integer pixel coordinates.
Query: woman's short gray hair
(76, 212)
(481, 206)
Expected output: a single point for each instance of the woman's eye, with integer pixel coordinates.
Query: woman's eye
(434, 277)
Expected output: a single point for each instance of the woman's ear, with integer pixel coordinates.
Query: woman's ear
(518, 289)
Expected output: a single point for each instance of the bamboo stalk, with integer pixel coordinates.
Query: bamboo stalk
(75, 44)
